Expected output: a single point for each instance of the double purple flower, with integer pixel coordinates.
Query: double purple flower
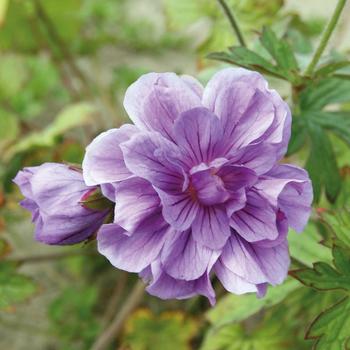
(197, 186)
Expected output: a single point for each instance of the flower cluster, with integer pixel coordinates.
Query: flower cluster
(196, 183)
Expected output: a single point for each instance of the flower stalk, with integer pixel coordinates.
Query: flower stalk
(325, 37)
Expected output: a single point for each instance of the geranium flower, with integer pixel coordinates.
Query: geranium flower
(197, 184)
(54, 195)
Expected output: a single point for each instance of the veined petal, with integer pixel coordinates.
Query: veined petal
(133, 252)
(257, 220)
(211, 226)
(136, 200)
(179, 210)
(185, 259)
(199, 134)
(154, 158)
(289, 188)
(236, 177)
(103, 161)
(155, 100)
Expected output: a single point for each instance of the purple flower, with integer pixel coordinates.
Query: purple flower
(53, 194)
(197, 185)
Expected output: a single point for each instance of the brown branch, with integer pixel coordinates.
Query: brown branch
(112, 331)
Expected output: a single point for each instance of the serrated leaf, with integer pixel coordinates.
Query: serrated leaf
(246, 58)
(279, 50)
(320, 94)
(234, 308)
(325, 277)
(306, 247)
(332, 327)
(14, 287)
(171, 330)
(322, 165)
(337, 122)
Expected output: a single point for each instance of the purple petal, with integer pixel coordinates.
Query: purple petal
(179, 210)
(232, 282)
(260, 157)
(152, 157)
(256, 264)
(193, 84)
(155, 100)
(103, 161)
(211, 227)
(257, 220)
(166, 287)
(199, 134)
(183, 258)
(136, 200)
(289, 187)
(132, 253)
(236, 177)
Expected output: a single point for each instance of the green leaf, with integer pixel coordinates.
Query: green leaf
(9, 128)
(70, 117)
(298, 135)
(306, 248)
(171, 331)
(279, 49)
(322, 165)
(234, 308)
(243, 57)
(337, 122)
(325, 277)
(236, 337)
(332, 327)
(3, 9)
(331, 67)
(324, 92)
(14, 287)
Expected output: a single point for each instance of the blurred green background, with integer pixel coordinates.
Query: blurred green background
(64, 68)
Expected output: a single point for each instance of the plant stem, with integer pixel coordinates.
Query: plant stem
(111, 332)
(325, 37)
(233, 22)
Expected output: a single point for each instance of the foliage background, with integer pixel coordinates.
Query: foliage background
(64, 68)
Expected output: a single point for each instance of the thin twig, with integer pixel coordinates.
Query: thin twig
(325, 37)
(48, 257)
(233, 22)
(114, 328)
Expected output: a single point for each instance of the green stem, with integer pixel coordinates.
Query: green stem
(325, 37)
(233, 22)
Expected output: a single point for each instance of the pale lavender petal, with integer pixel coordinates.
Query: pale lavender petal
(104, 161)
(199, 134)
(155, 100)
(236, 177)
(179, 210)
(185, 259)
(211, 227)
(289, 188)
(152, 157)
(193, 84)
(232, 282)
(257, 220)
(133, 252)
(136, 200)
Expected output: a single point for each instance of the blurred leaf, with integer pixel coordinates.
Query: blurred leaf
(72, 317)
(332, 327)
(331, 67)
(298, 135)
(279, 49)
(235, 308)
(5, 248)
(3, 9)
(9, 128)
(322, 164)
(306, 247)
(70, 117)
(171, 331)
(14, 287)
